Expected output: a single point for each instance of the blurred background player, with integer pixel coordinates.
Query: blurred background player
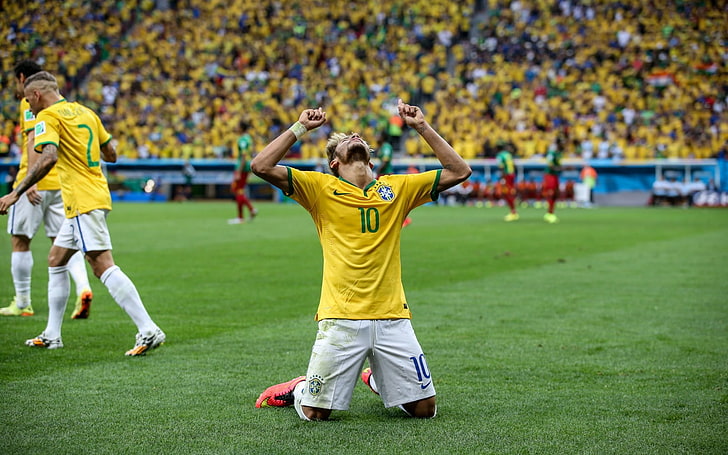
(588, 176)
(244, 147)
(41, 203)
(384, 153)
(508, 172)
(73, 136)
(359, 222)
(239, 188)
(551, 182)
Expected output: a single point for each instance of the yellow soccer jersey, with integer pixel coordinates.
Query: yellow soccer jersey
(78, 133)
(27, 123)
(359, 231)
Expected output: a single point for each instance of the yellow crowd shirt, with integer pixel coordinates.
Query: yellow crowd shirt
(78, 133)
(27, 123)
(359, 230)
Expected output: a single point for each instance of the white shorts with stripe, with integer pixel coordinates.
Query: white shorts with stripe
(25, 218)
(395, 357)
(85, 232)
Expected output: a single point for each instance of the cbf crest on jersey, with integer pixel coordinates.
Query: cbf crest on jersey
(385, 192)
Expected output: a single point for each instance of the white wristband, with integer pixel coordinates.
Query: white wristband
(298, 130)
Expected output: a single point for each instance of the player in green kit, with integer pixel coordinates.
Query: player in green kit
(362, 313)
(384, 153)
(508, 172)
(238, 186)
(72, 138)
(551, 183)
(244, 144)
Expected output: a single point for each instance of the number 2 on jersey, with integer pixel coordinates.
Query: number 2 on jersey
(89, 160)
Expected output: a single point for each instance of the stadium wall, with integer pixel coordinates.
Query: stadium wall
(161, 179)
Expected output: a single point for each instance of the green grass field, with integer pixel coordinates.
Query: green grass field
(604, 334)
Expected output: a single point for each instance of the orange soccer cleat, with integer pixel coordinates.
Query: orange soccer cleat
(279, 395)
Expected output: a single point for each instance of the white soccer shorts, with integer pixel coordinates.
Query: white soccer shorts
(24, 218)
(395, 356)
(85, 232)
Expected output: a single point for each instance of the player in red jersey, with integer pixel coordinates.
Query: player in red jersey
(240, 181)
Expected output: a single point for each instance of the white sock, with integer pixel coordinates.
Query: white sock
(21, 267)
(77, 269)
(297, 397)
(373, 384)
(59, 287)
(126, 296)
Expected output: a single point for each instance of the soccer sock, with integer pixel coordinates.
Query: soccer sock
(125, 294)
(297, 397)
(239, 202)
(59, 287)
(552, 201)
(247, 203)
(373, 384)
(21, 267)
(77, 269)
(510, 200)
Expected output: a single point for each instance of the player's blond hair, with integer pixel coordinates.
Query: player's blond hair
(334, 141)
(43, 82)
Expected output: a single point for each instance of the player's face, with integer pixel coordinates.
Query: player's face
(19, 88)
(33, 97)
(353, 148)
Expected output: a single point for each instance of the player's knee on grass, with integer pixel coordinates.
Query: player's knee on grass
(316, 413)
(422, 409)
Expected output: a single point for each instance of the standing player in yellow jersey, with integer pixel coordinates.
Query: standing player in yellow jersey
(362, 313)
(41, 203)
(71, 138)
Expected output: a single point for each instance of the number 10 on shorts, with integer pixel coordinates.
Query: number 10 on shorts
(423, 373)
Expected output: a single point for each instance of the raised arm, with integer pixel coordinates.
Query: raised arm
(454, 167)
(265, 164)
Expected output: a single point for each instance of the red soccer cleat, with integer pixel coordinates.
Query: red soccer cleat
(366, 377)
(279, 395)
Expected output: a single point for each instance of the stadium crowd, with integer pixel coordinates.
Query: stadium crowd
(627, 79)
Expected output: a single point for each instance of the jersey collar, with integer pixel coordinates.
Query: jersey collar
(366, 188)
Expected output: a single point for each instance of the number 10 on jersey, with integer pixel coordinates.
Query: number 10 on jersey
(369, 219)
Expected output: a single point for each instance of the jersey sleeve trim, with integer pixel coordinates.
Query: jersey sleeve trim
(434, 194)
(290, 182)
(39, 146)
(107, 141)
